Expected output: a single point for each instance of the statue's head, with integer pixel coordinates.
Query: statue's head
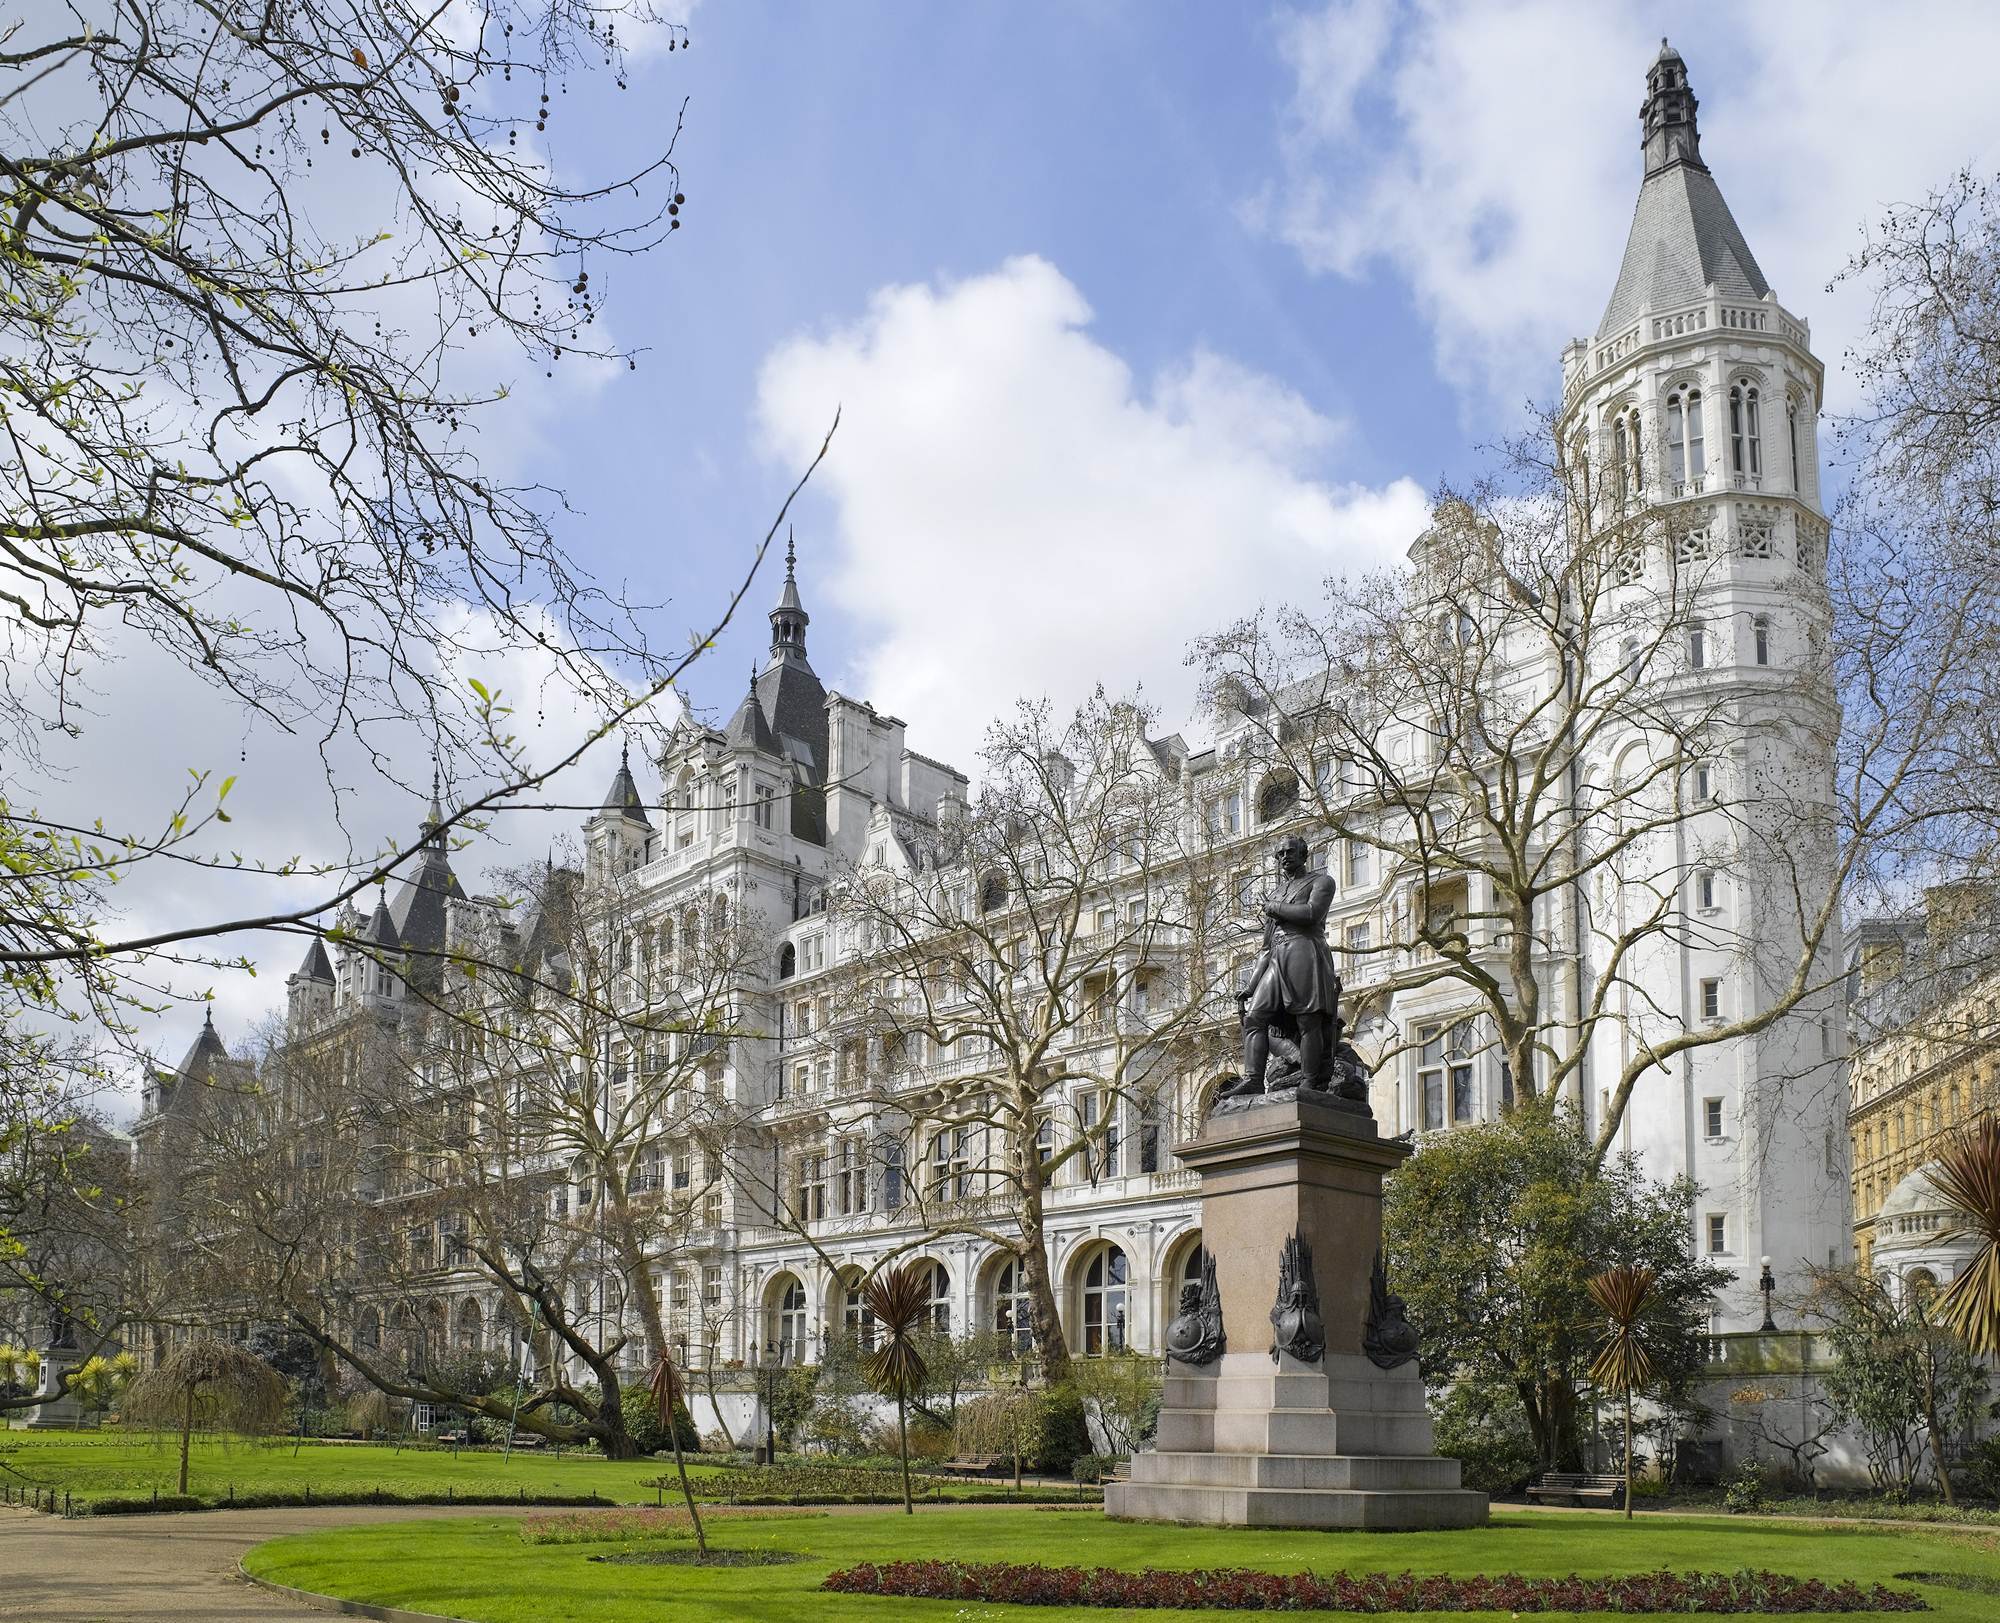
(1291, 853)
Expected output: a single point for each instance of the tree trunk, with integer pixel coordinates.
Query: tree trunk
(1938, 1462)
(903, 1441)
(187, 1432)
(1628, 1453)
(721, 1420)
(687, 1493)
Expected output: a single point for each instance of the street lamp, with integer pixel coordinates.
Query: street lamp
(774, 1363)
(1767, 1284)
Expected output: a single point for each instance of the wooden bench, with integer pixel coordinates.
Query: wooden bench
(1579, 1487)
(973, 1465)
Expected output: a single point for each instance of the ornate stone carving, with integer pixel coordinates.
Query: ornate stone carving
(1387, 1338)
(1295, 1321)
(1195, 1337)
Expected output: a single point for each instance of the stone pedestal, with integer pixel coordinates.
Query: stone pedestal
(1255, 1439)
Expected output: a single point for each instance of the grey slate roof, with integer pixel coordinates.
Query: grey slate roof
(317, 967)
(416, 912)
(623, 795)
(206, 1049)
(1683, 240)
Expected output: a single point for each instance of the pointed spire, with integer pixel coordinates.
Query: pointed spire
(1666, 118)
(434, 819)
(1684, 241)
(623, 796)
(789, 619)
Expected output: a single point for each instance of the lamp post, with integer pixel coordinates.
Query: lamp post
(774, 1363)
(1767, 1284)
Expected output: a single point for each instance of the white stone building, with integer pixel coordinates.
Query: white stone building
(1698, 389)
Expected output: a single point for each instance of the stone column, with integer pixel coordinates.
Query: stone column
(1331, 1431)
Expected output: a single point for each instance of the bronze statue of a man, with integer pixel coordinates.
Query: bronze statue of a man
(1293, 986)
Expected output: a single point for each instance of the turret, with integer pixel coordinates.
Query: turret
(619, 836)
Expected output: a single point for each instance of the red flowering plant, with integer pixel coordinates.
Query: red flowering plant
(1238, 1589)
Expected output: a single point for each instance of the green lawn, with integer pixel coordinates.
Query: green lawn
(480, 1569)
(99, 1465)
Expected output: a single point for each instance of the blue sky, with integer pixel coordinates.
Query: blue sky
(1393, 213)
(1140, 316)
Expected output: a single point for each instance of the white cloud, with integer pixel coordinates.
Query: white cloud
(1018, 515)
(1487, 153)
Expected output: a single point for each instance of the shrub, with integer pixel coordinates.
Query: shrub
(1744, 1489)
(1058, 1433)
(1239, 1589)
(642, 1420)
(1094, 1467)
(1486, 1430)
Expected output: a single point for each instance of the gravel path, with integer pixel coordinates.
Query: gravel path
(134, 1569)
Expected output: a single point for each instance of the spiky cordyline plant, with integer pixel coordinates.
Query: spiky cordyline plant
(664, 1382)
(1967, 1175)
(900, 1301)
(1625, 1296)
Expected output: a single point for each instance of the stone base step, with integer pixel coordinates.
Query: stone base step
(1313, 1471)
(1293, 1431)
(1386, 1510)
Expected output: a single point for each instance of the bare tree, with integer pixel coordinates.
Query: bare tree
(1036, 997)
(544, 1140)
(267, 274)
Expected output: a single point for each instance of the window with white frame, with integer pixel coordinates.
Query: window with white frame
(1444, 1072)
(1627, 455)
(1360, 864)
(1718, 1234)
(1687, 460)
(1746, 448)
(1705, 890)
(1711, 998)
(1011, 1321)
(1711, 1118)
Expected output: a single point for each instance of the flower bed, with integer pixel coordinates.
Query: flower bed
(1238, 1589)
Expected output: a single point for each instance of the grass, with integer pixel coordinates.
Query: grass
(97, 1466)
(108, 1465)
(481, 1569)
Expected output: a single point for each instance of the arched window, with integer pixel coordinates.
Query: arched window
(788, 961)
(1011, 1322)
(1746, 450)
(1104, 1302)
(1792, 439)
(992, 891)
(1277, 798)
(1628, 455)
(788, 1320)
(1687, 458)
(937, 1295)
(855, 1317)
(471, 1326)
(1760, 638)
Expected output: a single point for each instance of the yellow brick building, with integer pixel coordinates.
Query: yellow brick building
(1926, 1041)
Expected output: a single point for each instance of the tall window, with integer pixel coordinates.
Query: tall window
(1010, 1311)
(1718, 1234)
(1792, 438)
(1711, 1118)
(1698, 647)
(1760, 638)
(1360, 864)
(951, 1164)
(791, 1321)
(1149, 1135)
(1628, 455)
(892, 1176)
(1686, 456)
(855, 1316)
(1711, 999)
(1104, 1303)
(1444, 1070)
(1704, 889)
(1746, 451)
(937, 1295)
